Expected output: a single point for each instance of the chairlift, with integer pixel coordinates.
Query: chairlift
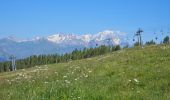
(134, 36)
(156, 38)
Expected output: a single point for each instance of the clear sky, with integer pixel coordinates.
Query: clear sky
(30, 18)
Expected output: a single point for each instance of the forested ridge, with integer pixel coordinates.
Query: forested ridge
(37, 60)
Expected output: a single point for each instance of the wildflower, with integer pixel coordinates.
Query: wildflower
(136, 80)
(86, 76)
(56, 73)
(46, 82)
(77, 67)
(20, 74)
(64, 76)
(68, 82)
(138, 91)
(8, 81)
(76, 79)
(90, 71)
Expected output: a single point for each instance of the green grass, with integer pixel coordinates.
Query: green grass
(129, 74)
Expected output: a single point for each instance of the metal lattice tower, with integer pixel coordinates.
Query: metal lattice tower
(138, 35)
(12, 58)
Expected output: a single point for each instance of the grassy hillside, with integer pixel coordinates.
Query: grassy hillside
(130, 74)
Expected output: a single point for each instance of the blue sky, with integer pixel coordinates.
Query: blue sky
(30, 18)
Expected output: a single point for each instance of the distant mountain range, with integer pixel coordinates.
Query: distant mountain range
(58, 43)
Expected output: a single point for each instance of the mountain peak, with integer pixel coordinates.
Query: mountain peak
(59, 43)
(101, 36)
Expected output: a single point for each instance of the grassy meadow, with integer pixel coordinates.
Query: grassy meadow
(128, 74)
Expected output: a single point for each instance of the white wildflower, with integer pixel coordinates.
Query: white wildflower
(46, 82)
(86, 76)
(136, 80)
(56, 73)
(138, 91)
(76, 79)
(20, 74)
(68, 82)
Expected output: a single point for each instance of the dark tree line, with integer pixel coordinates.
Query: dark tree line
(75, 55)
(55, 58)
(152, 42)
(166, 40)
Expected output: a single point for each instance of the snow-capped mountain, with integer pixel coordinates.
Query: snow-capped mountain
(114, 37)
(58, 43)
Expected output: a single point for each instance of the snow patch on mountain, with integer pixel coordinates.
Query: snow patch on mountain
(87, 37)
(59, 43)
(112, 36)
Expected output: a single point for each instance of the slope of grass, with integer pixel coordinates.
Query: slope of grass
(130, 74)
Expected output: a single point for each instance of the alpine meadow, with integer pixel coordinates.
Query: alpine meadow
(84, 50)
(131, 74)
